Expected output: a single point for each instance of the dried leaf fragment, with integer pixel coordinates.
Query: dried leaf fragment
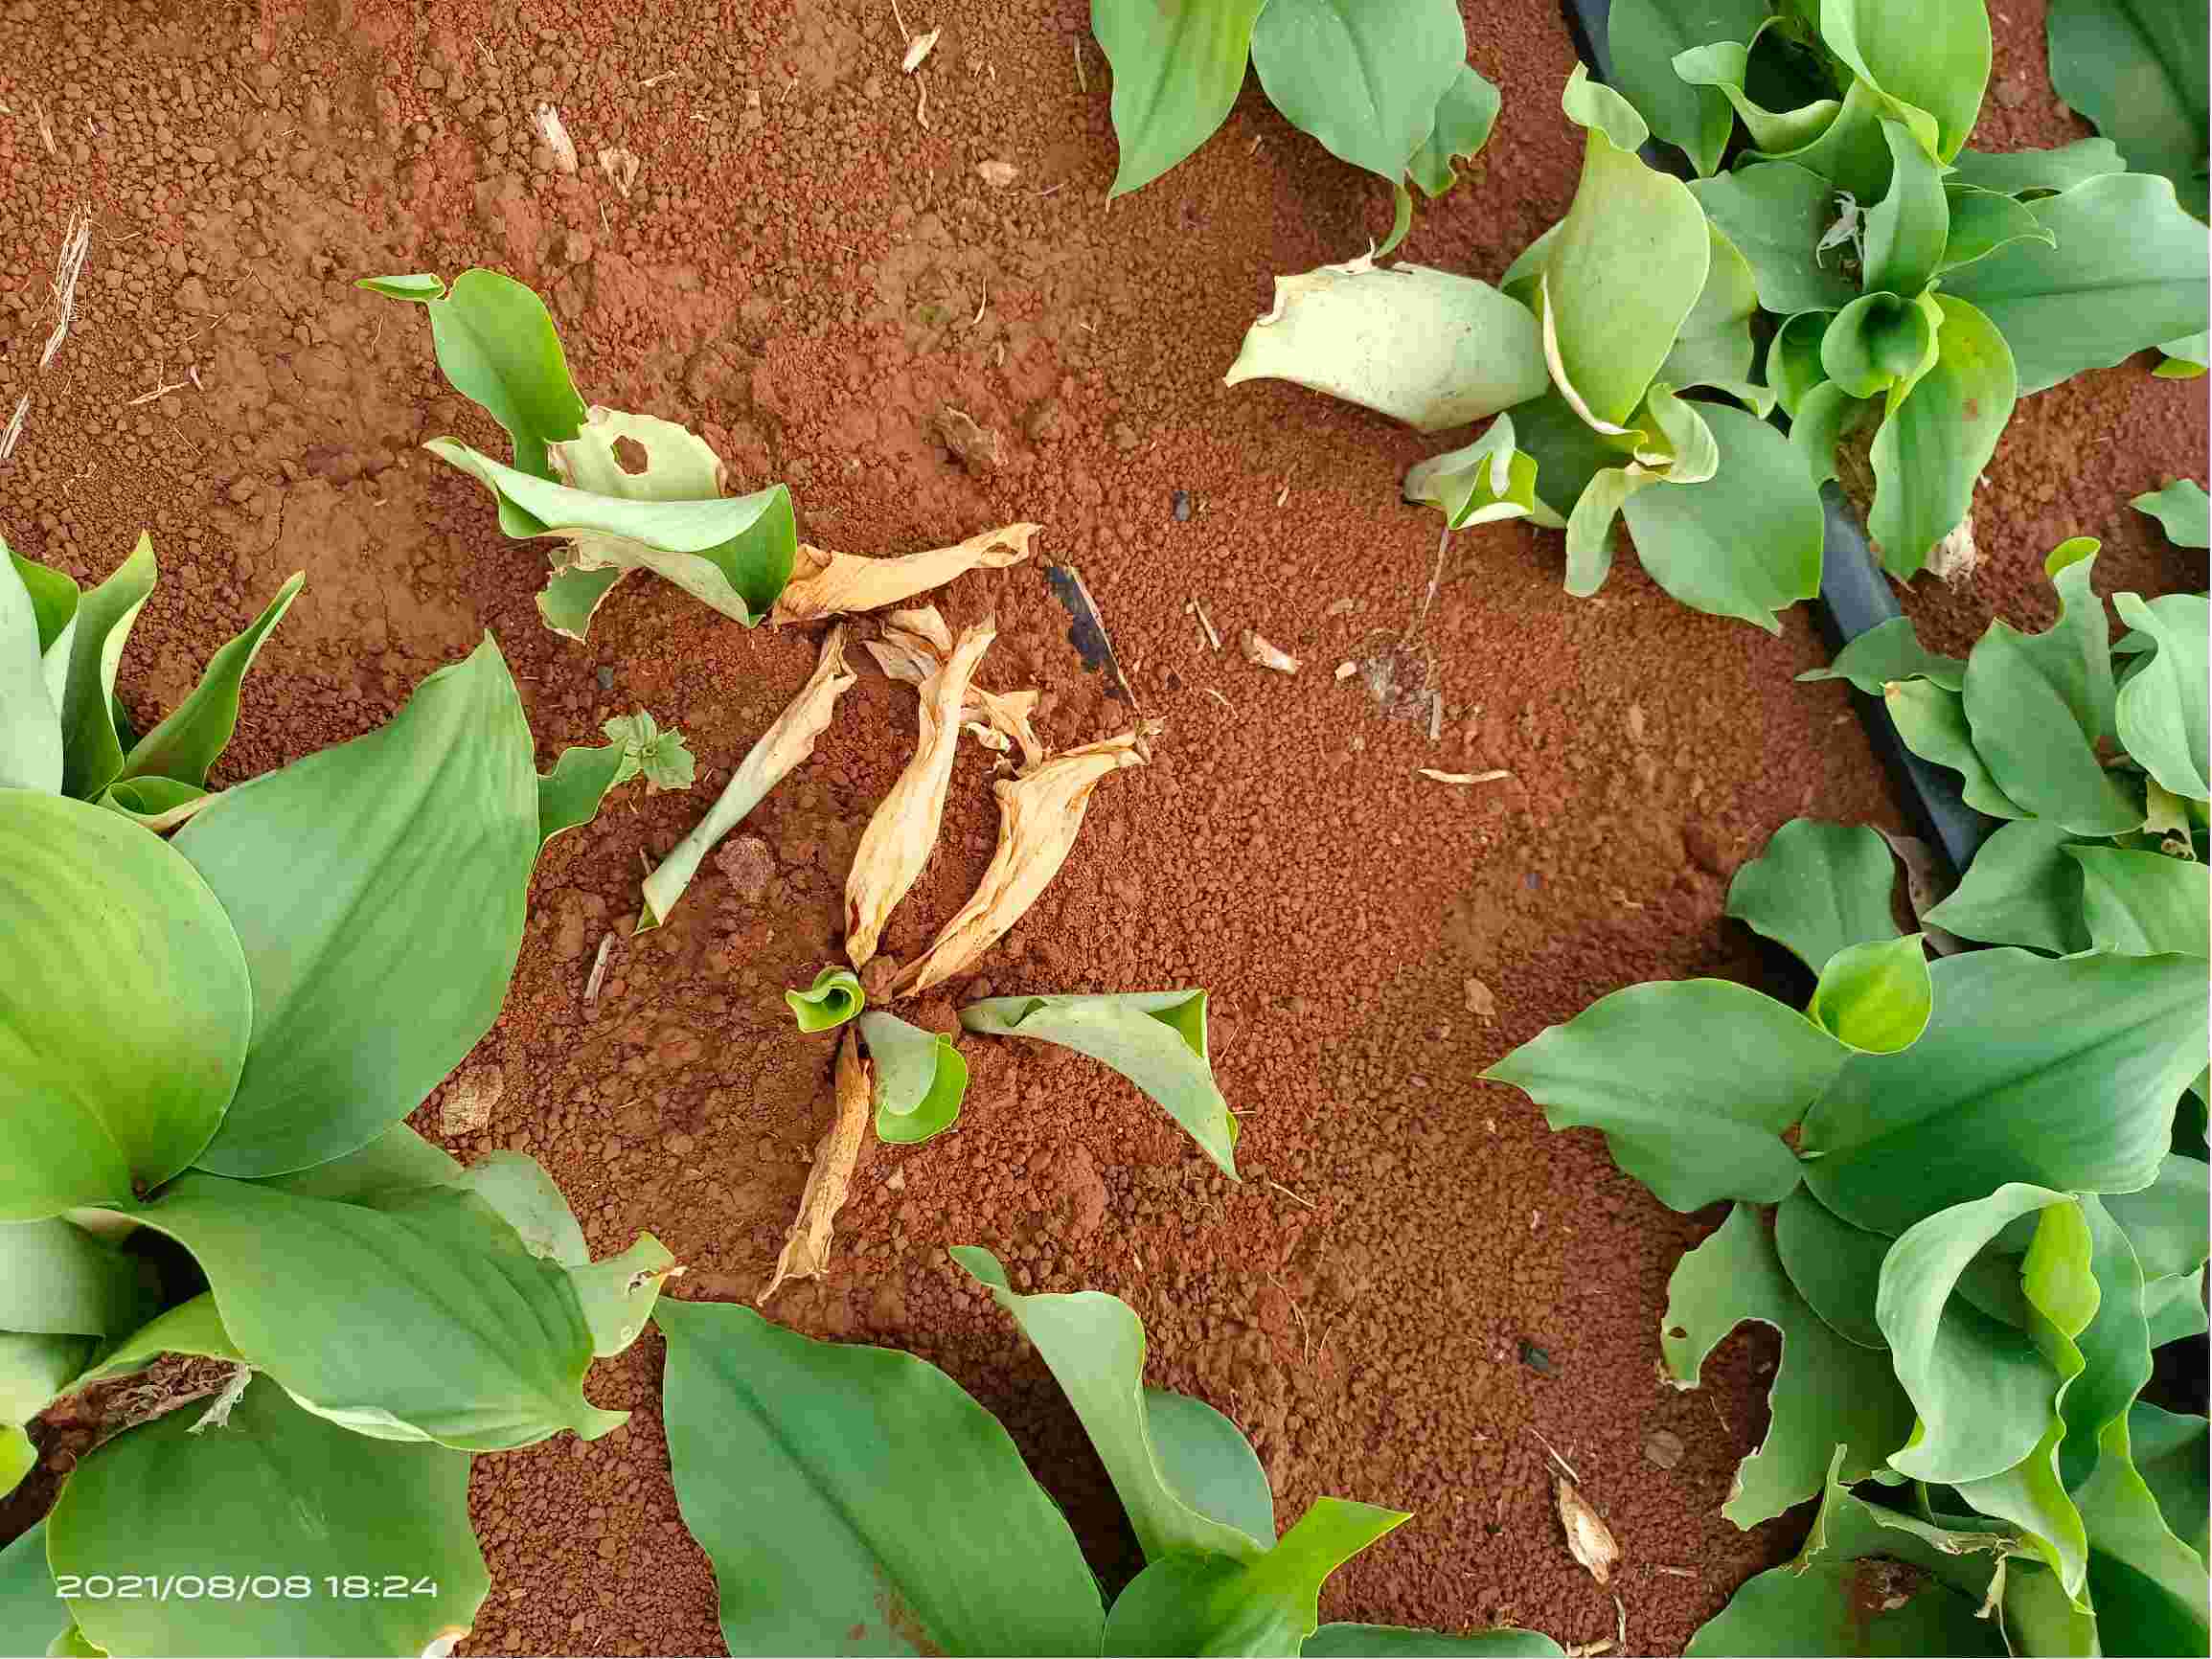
(806, 1251)
(1258, 650)
(997, 174)
(902, 832)
(825, 583)
(621, 169)
(1039, 816)
(1436, 777)
(917, 49)
(555, 136)
(1588, 1537)
(913, 645)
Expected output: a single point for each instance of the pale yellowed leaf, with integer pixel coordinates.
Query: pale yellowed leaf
(825, 583)
(1588, 1537)
(806, 1251)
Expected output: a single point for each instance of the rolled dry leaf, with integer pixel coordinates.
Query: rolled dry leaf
(1038, 815)
(1259, 650)
(915, 641)
(902, 833)
(806, 1251)
(825, 583)
(1589, 1536)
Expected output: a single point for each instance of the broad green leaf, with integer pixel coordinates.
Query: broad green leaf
(834, 997)
(2011, 171)
(1465, 114)
(1817, 888)
(2142, 903)
(1880, 345)
(2147, 1581)
(524, 1197)
(1794, 366)
(497, 347)
(1644, 37)
(1828, 1393)
(1890, 651)
(2039, 704)
(1568, 455)
(29, 716)
(1826, 413)
(856, 1500)
(2115, 1343)
(2136, 70)
(1908, 228)
(2167, 1451)
(124, 1012)
(1745, 544)
(2182, 509)
(1932, 722)
(1714, 345)
(1156, 1039)
(570, 794)
(2128, 271)
(30, 1613)
(1591, 525)
(1693, 1082)
(1426, 346)
(2163, 714)
(192, 1328)
(398, 1157)
(193, 735)
(1983, 222)
(58, 1279)
(92, 750)
(1176, 73)
(2020, 889)
(1874, 997)
(2174, 1309)
(156, 803)
(1933, 55)
(1479, 483)
(1364, 79)
(2166, 1222)
(1197, 1605)
(919, 1077)
(377, 888)
(1625, 266)
(420, 1316)
(571, 597)
(1842, 142)
(2062, 1073)
(1775, 212)
(1834, 1267)
(34, 1367)
(275, 1493)
(1722, 66)
(619, 1294)
(2185, 358)
(1397, 1642)
(1095, 1346)
(733, 552)
(1205, 1459)
(1932, 448)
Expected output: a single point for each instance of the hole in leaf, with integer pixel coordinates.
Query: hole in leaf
(630, 456)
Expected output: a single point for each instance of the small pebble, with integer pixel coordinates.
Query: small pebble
(1664, 1448)
(1537, 1359)
(1182, 507)
(607, 679)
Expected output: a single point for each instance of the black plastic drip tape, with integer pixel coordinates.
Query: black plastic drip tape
(1855, 595)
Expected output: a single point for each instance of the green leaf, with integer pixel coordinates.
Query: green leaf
(1644, 37)
(1842, 142)
(1364, 79)
(398, 1157)
(919, 1079)
(1907, 229)
(1095, 1346)
(58, 1279)
(2059, 1072)
(191, 1327)
(2163, 714)
(1464, 116)
(1714, 345)
(2012, 172)
(2167, 1451)
(1890, 651)
(1745, 544)
(1834, 1267)
(524, 1197)
(1195, 1605)
(2166, 1222)
(2128, 271)
(1931, 451)
(834, 997)
(1426, 346)
(124, 1012)
(2136, 70)
(30, 1613)
(1625, 266)
(2182, 509)
(1693, 1082)
(571, 597)
(618, 1295)
(1155, 1038)
(1983, 222)
(2143, 904)
(856, 1500)
(1934, 57)
(1775, 211)
(1828, 1393)
(662, 756)
(30, 717)
(1874, 997)
(497, 347)
(377, 888)
(92, 751)
(1176, 73)
(1880, 345)
(2038, 703)
(570, 794)
(1722, 66)
(420, 1316)
(2022, 889)
(1205, 1459)
(1397, 1642)
(1932, 722)
(2148, 1583)
(34, 1368)
(1479, 483)
(1817, 888)
(2184, 358)
(287, 1498)
(156, 803)
(1794, 366)
(1825, 415)
(193, 735)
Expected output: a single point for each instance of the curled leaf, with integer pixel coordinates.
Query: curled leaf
(827, 583)
(902, 833)
(1477, 482)
(1588, 1537)
(919, 1077)
(806, 1251)
(2182, 511)
(783, 747)
(914, 645)
(834, 997)
(1038, 815)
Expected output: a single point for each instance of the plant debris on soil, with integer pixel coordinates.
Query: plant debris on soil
(776, 244)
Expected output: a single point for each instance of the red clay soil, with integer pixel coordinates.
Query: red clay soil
(807, 272)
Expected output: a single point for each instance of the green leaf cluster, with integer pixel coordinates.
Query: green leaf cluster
(858, 1499)
(614, 492)
(1384, 84)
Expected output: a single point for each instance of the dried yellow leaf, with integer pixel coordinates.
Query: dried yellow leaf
(1589, 1536)
(902, 833)
(806, 1251)
(1038, 815)
(915, 641)
(825, 583)
(1259, 652)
